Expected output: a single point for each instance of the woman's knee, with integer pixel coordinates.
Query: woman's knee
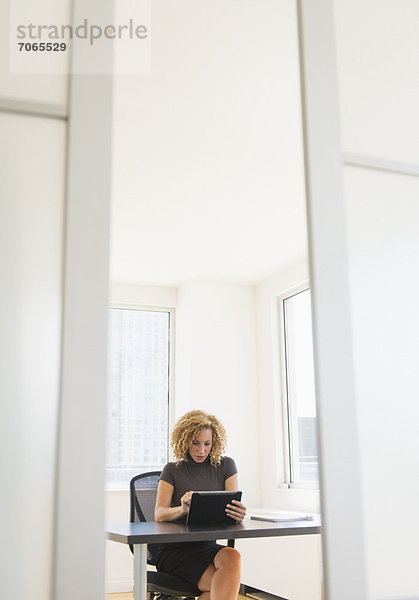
(227, 558)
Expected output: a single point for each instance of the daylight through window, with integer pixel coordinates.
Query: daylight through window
(138, 393)
(299, 388)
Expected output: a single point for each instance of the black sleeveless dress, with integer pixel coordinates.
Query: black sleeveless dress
(189, 560)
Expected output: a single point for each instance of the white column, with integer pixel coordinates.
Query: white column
(338, 429)
(79, 567)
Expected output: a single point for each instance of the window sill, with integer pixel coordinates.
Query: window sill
(303, 486)
(299, 499)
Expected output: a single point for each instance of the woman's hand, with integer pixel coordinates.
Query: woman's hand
(164, 511)
(185, 501)
(236, 511)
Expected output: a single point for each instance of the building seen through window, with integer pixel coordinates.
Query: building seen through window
(138, 393)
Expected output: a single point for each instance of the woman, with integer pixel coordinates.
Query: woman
(198, 441)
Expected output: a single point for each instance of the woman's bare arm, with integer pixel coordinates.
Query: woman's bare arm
(163, 511)
(236, 510)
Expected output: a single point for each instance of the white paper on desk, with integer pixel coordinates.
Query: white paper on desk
(282, 516)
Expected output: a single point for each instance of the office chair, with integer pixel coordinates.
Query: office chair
(160, 586)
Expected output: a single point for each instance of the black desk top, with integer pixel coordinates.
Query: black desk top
(157, 533)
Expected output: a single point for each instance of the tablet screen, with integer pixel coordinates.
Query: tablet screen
(209, 507)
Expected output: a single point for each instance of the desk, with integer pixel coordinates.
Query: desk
(141, 534)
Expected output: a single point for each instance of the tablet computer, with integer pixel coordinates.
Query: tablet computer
(207, 508)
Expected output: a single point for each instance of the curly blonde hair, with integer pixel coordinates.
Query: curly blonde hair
(188, 427)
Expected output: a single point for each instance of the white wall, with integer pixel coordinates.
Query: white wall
(378, 65)
(32, 190)
(286, 567)
(383, 224)
(216, 368)
(130, 294)
(32, 151)
(118, 557)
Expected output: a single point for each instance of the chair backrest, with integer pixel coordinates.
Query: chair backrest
(143, 493)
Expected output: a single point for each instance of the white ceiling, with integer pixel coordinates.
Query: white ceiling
(208, 172)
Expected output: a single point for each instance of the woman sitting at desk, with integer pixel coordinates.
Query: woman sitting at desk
(198, 441)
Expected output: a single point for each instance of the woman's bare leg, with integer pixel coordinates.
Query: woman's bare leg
(221, 580)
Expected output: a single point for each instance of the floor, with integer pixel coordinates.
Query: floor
(130, 596)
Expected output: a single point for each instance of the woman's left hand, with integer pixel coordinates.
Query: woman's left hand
(236, 511)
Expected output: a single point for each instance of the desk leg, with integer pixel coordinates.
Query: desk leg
(140, 571)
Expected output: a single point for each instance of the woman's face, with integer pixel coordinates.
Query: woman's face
(201, 446)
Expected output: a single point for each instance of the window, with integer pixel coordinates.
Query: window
(299, 390)
(138, 393)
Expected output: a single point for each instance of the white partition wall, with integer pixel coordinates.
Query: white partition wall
(383, 224)
(378, 66)
(54, 198)
(369, 276)
(32, 196)
(80, 503)
(32, 152)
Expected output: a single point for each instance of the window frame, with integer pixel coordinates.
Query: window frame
(286, 405)
(171, 388)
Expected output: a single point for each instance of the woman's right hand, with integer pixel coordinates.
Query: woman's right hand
(185, 501)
